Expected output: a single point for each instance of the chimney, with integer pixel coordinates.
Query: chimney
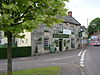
(70, 13)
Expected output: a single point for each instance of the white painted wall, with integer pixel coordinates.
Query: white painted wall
(26, 41)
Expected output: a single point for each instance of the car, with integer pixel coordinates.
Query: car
(96, 43)
(92, 43)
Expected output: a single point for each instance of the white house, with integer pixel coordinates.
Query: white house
(26, 41)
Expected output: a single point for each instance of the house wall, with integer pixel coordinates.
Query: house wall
(4, 40)
(37, 40)
(20, 42)
(1, 37)
(26, 41)
(47, 33)
(73, 38)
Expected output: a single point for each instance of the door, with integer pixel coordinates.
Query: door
(36, 49)
(60, 44)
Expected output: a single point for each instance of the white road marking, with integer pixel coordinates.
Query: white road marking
(82, 64)
(60, 58)
(82, 59)
(83, 54)
(80, 53)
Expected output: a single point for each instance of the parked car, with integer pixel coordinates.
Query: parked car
(92, 43)
(95, 43)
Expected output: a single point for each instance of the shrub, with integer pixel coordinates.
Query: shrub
(16, 52)
(3, 53)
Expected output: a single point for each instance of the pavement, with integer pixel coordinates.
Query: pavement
(68, 61)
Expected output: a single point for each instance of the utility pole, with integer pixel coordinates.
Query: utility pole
(87, 29)
(87, 22)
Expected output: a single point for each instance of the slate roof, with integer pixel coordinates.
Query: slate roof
(83, 27)
(70, 19)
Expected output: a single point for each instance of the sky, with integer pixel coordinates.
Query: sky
(84, 10)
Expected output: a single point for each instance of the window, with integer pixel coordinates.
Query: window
(72, 29)
(46, 45)
(46, 30)
(56, 43)
(68, 41)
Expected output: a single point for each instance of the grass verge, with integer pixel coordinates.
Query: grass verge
(52, 70)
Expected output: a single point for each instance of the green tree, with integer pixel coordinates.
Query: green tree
(94, 26)
(19, 15)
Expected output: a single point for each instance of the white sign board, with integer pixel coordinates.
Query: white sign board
(66, 31)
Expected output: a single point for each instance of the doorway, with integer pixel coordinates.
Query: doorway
(60, 44)
(36, 49)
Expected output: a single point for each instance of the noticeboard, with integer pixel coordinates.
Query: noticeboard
(60, 36)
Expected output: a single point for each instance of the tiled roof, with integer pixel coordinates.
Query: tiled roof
(83, 28)
(70, 19)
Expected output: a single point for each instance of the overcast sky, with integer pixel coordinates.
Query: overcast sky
(84, 9)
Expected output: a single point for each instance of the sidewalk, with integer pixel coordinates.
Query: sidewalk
(71, 69)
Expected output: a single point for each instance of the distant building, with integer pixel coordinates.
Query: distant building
(84, 36)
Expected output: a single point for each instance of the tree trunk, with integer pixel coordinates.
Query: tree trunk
(9, 53)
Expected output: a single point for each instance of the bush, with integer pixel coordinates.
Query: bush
(3, 53)
(16, 52)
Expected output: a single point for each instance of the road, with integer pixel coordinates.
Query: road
(92, 61)
(86, 59)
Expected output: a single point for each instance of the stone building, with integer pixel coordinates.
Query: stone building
(60, 37)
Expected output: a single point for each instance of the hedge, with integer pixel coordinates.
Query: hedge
(16, 52)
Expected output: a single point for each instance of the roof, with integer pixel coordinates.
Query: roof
(83, 28)
(70, 19)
